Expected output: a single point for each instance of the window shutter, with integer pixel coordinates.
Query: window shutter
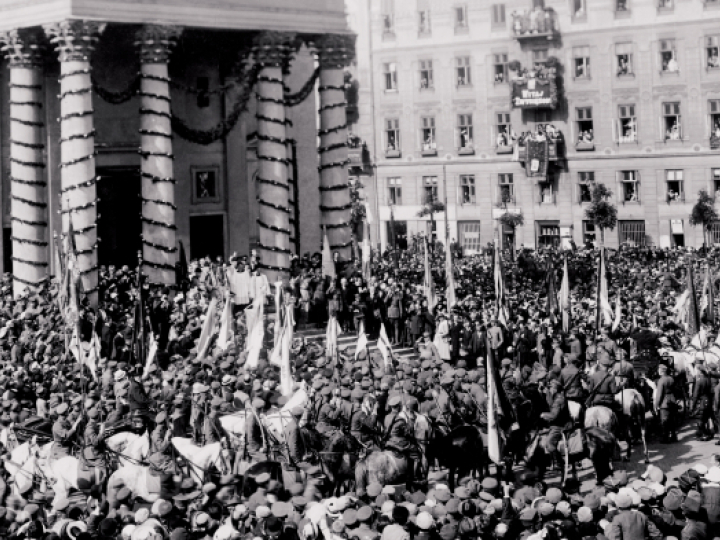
(457, 137)
(572, 132)
(502, 13)
(707, 125)
(662, 128)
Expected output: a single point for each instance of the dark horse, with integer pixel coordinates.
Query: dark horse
(337, 455)
(461, 451)
(600, 447)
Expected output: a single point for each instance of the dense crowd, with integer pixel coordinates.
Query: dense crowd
(401, 409)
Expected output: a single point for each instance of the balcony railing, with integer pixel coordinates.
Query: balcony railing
(547, 197)
(537, 23)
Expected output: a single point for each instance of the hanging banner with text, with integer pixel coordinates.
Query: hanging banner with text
(533, 93)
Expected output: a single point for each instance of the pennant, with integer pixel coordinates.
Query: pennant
(366, 253)
(693, 316)
(604, 309)
(328, 265)
(286, 378)
(552, 296)
(182, 273)
(709, 296)
(699, 340)
(256, 332)
(152, 354)
(494, 442)
(139, 341)
(564, 298)
(618, 314)
(252, 313)
(279, 319)
(207, 329)
(449, 277)
(368, 213)
(429, 281)
(385, 349)
(362, 341)
(227, 325)
(503, 314)
(331, 337)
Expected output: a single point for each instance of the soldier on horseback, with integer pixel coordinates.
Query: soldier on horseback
(92, 437)
(161, 463)
(448, 404)
(63, 433)
(399, 435)
(255, 435)
(364, 420)
(558, 418)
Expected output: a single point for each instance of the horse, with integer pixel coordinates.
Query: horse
(380, 467)
(461, 451)
(201, 458)
(128, 446)
(602, 417)
(337, 455)
(600, 447)
(633, 411)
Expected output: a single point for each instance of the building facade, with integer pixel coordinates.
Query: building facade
(138, 126)
(637, 92)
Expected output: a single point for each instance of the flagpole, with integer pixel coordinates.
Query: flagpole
(597, 293)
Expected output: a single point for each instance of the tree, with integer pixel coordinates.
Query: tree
(601, 211)
(704, 214)
(430, 207)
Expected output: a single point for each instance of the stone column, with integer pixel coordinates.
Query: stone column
(28, 186)
(271, 51)
(335, 52)
(158, 182)
(75, 41)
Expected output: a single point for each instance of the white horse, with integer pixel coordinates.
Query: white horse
(633, 410)
(129, 447)
(201, 458)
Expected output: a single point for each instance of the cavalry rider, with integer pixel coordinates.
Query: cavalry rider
(447, 403)
(364, 420)
(293, 436)
(558, 418)
(212, 430)
(161, 463)
(93, 437)
(571, 382)
(329, 413)
(63, 433)
(255, 435)
(398, 435)
(624, 372)
(197, 409)
(601, 385)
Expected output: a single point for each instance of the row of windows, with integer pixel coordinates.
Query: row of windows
(628, 188)
(624, 128)
(498, 15)
(624, 64)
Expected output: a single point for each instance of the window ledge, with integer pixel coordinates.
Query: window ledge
(624, 14)
(714, 143)
(711, 69)
(670, 73)
(674, 142)
(635, 142)
(428, 89)
(464, 86)
(626, 76)
(392, 153)
(500, 83)
(583, 79)
(388, 36)
(677, 201)
(466, 151)
(504, 150)
(580, 19)
(631, 203)
(429, 153)
(585, 146)
(391, 90)
(669, 9)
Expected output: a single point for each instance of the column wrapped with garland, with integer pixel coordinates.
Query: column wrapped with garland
(158, 181)
(271, 51)
(335, 52)
(28, 187)
(75, 41)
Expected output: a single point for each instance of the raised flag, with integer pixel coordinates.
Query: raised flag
(429, 281)
(207, 329)
(227, 325)
(385, 349)
(564, 298)
(331, 337)
(362, 341)
(286, 378)
(368, 213)
(366, 253)
(552, 295)
(503, 314)
(618, 314)
(693, 316)
(494, 441)
(256, 332)
(279, 312)
(604, 310)
(182, 274)
(152, 354)
(328, 265)
(709, 296)
(699, 340)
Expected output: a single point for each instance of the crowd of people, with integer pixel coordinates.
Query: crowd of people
(399, 407)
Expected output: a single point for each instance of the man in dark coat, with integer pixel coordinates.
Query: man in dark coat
(665, 404)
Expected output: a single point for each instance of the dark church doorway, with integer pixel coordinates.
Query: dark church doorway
(119, 208)
(207, 236)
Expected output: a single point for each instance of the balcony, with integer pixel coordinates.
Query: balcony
(535, 24)
(585, 146)
(715, 141)
(467, 150)
(547, 197)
